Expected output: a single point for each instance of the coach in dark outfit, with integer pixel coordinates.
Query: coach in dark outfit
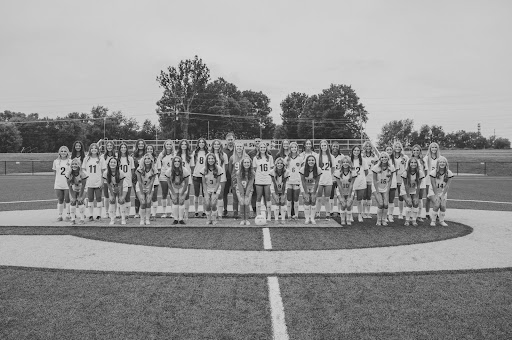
(252, 154)
(228, 150)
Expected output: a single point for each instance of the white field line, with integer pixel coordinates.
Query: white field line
(52, 200)
(276, 309)
(478, 201)
(267, 242)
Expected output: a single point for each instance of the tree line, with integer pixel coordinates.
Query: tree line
(403, 131)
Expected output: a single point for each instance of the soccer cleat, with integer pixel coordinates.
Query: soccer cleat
(112, 222)
(349, 222)
(123, 222)
(313, 221)
(82, 221)
(73, 222)
(60, 219)
(378, 222)
(141, 221)
(181, 222)
(406, 223)
(443, 223)
(306, 221)
(163, 216)
(91, 218)
(147, 222)
(225, 213)
(136, 216)
(433, 224)
(204, 214)
(360, 218)
(400, 217)
(247, 222)
(384, 223)
(242, 223)
(196, 214)
(420, 219)
(342, 222)
(68, 217)
(390, 219)
(175, 222)
(98, 218)
(414, 223)
(214, 222)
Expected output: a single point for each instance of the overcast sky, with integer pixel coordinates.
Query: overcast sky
(438, 62)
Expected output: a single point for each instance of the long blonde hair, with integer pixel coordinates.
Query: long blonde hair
(429, 154)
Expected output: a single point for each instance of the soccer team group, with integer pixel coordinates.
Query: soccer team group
(102, 182)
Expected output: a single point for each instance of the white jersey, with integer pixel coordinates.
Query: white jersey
(188, 166)
(225, 161)
(310, 179)
(145, 178)
(279, 181)
(166, 163)
(346, 181)
(114, 183)
(127, 164)
(371, 161)
(439, 181)
(94, 166)
(199, 162)
(433, 166)
(400, 165)
(178, 182)
(294, 165)
(326, 178)
(61, 167)
(384, 178)
(360, 168)
(77, 181)
(263, 167)
(411, 188)
(211, 179)
(337, 162)
(159, 174)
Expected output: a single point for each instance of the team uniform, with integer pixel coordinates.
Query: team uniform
(433, 166)
(223, 165)
(165, 164)
(199, 160)
(385, 178)
(179, 182)
(122, 176)
(127, 164)
(440, 183)
(400, 165)
(281, 190)
(326, 178)
(359, 169)
(371, 161)
(211, 179)
(94, 167)
(263, 168)
(311, 180)
(187, 166)
(346, 180)
(294, 165)
(61, 168)
(146, 179)
(77, 183)
(411, 188)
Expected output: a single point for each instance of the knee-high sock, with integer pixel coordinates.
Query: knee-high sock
(328, 207)
(441, 216)
(181, 212)
(360, 207)
(220, 206)
(414, 214)
(148, 213)
(331, 204)
(122, 212)
(112, 211)
(73, 212)
(258, 208)
(421, 210)
(349, 214)
(81, 209)
(379, 214)
(154, 206)
(99, 207)
(318, 205)
(164, 206)
(282, 208)
(433, 215)
(106, 204)
(368, 206)
(391, 208)
(289, 208)
(407, 213)
(401, 207)
(343, 215)
(313, 212)
(307, 211)
(384, 213)
(296, 208)
(68, 208)
(60, 208)
(196, 204)
(176, 211)
(276, 212)
(187, 207)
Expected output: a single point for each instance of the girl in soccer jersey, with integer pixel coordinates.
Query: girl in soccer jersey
(78, 151)
(440, 180)
(222, 161)
(127, 164)
(416, 153)
(410, 189)
(234, 166)
(115, 179)
(430, 160)
(383, 173)
(138, 155)
(110, 152)
(150, 149)
(94, 165)
(146, 176)
(371, 159)
(188, 163)
(399, 161)
(361, 171)
(60, 168)
(178, 180)
(284, 151)
(77, 179)
(211, 174)
(344, 177)
(199, 156)
(310, 176)
(165, 159)
(244, 187)
(293, 164)
(327, 165)
(263, 163)
(336, 155)
(308, 150)
(279, 178)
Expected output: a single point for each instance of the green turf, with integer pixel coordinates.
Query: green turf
(283, 238)
(437, 306)
(67, 305)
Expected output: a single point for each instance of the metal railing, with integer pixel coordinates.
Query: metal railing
(34, 167)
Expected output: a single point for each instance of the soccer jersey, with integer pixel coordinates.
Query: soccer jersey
(94, 167)
(127, 164)
(263, 167)
(211, 178)
(326, 178)
(384, 178)
(76, 180)
(146, 177)
(371, 161)
(280, 180)
(411, 188)
(179, 181)
(440, 180)
(199, 161)
(61, 167)
(337, 161)
(188, 166)
(223, 165)
(400, 164)
(166, 163)
(113, 182)
(359, 169)
(310, 179)
(433, 165)
(294, 165)
(346, 180)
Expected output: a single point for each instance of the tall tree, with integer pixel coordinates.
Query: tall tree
(181, 86)
(260, 111)
(399, 130)
(292, 107)
(10, 138)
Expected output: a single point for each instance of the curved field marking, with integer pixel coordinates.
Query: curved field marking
(487, 247)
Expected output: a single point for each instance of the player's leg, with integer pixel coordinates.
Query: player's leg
(106, 202)
(266, 196)
(400, 204)
(127, 202)
(220, 200)
(73, 204)
(60, 203)
(225, 193)
(319, 200)
(359, 203)
(391, 205)
(307, 206)
(380, 198)
(333, 198)
(442, 210)
(164, 186)
(112, 209)
(235, 198)
(327, 203)
(342, 203)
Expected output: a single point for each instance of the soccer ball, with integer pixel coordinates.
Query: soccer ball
(260, 220)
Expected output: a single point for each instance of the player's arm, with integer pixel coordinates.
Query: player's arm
(445, 189)
(185, 186)
(433, 184)
(375, 181)
(250, 185)
(82, 189)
